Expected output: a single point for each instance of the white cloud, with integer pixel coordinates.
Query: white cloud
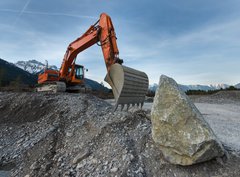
(208, 54)
(24, 11)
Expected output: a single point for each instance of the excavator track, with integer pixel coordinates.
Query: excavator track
(129, 85)
(52, 87)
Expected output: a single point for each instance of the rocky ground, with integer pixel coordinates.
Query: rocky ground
(221, 97)
(79, 135)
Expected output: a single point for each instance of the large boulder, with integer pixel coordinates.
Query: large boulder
(179, 129)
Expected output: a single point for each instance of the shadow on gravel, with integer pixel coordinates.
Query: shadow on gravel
(24, 107)
(5, 170)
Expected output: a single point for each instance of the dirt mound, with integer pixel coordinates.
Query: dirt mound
(18, 108)
(221, 97)
(234, 95)
(79, 135)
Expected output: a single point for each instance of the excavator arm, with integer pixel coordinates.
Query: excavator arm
(102, 31)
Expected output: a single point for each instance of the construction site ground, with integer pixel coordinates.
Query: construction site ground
(79, 135)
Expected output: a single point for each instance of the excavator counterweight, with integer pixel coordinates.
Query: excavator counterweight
(129, 85)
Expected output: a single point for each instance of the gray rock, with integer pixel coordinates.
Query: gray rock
(69, 134)
(35, 166)
(179, 129)
(114, 170)
(94, 161)
(81, 156)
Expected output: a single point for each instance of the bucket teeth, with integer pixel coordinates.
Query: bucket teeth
(122, 106)
(128, 106)
(115, 107)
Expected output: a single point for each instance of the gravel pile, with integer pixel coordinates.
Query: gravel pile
(221, 97)
(79, 135)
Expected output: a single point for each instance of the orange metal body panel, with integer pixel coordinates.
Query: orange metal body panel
(48, 75)
(108, 40)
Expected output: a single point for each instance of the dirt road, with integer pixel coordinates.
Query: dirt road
(225, 121)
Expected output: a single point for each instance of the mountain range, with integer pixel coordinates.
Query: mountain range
(237, 86)
(154, 86)
(33, 66)
(9, 73)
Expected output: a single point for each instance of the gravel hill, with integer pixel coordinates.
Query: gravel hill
(79, 135)
(221, 97)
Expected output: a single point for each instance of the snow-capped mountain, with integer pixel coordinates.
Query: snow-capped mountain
(11, 73)
(154, 86)
(237, 86)
(33, 66)
(219, 86)
(197, 87)
(206, 87)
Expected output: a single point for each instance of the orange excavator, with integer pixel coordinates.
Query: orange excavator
(129, 86)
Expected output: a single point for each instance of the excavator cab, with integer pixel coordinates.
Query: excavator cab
(79, 72)
(75, 75)
(74, 81)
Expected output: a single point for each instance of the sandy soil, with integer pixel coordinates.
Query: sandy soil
(225, 121)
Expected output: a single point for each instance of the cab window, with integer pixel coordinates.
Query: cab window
(79, 72)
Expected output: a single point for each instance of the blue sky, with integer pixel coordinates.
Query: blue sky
(195, 42)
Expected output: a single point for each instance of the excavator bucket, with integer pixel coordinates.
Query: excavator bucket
(129, 86)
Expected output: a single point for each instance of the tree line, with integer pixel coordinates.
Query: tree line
(151, 93)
